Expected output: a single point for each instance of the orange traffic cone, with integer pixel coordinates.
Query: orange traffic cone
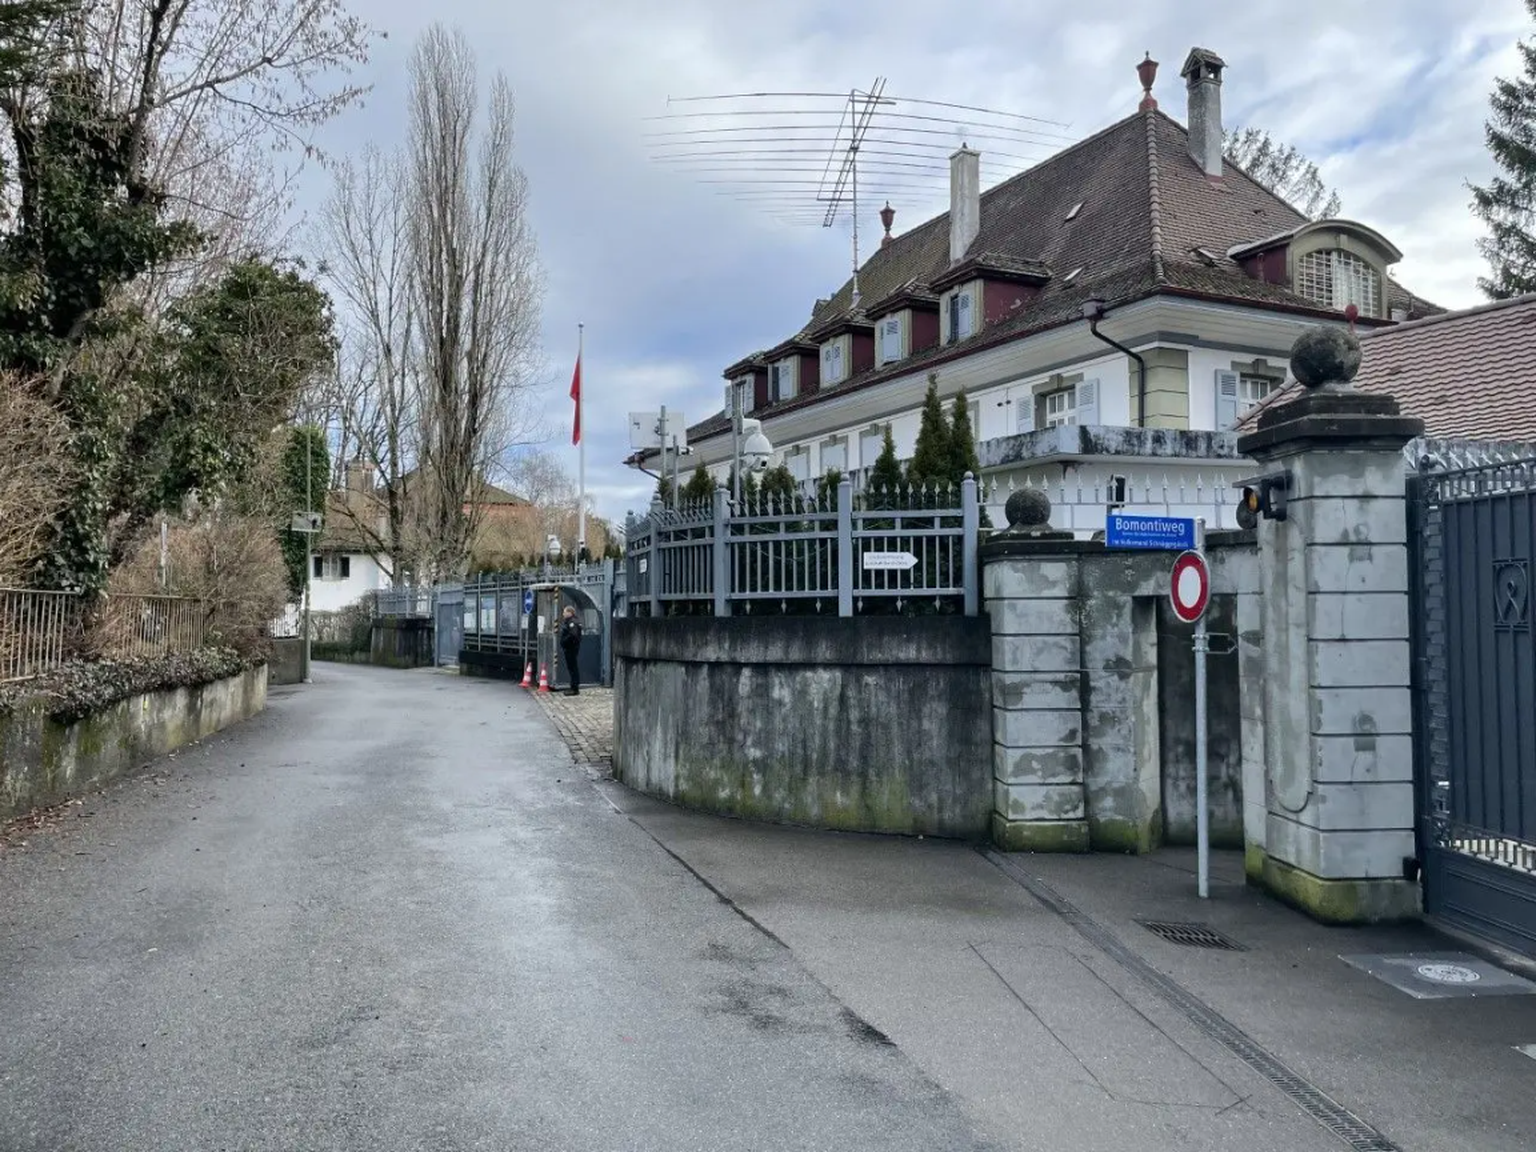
(527, 676)
(543, 678)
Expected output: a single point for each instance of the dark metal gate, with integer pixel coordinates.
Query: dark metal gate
(448, 610)
(1473, 541)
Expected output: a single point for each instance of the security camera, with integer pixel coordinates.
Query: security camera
(759, 466)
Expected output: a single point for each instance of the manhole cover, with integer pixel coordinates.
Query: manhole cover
(1448, 974)
(1439, 975)
(1191, 935)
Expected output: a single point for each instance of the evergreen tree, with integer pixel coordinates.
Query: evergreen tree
(826, 487)
(962, 442)
(699, 489)
(962, 447)
(305, 480)
(1507, 204)
(885, 478)
(930, 463)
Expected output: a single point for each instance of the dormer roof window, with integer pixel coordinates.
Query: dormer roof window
(1336, 279)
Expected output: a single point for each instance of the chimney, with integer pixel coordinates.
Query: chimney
(359, 477)
(964, 201)
(1202, 72)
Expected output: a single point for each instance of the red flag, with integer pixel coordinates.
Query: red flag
(576, 396)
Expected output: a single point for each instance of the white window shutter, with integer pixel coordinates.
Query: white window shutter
(1088, 402)
(1026, 404)
(1226, 399)
(729, 409)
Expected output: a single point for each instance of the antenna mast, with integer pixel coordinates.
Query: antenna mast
(805, 157)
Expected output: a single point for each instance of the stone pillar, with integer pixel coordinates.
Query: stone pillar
(1337, 706)
(1031, 579)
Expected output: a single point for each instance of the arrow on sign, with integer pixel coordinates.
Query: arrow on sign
(889, 561)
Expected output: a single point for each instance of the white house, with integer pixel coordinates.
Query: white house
(1136, 283)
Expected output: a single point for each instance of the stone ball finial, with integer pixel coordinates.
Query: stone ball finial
(1028, 509)
(1325, 355)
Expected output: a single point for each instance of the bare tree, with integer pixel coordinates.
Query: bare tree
(211, 93)
(373, 403)
(1283, 170)
(539, 478)
(476, 285)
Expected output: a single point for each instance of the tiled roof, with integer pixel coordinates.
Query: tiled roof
(1466, 374)
(1143, 207)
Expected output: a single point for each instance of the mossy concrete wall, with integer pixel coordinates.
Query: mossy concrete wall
(1094, 691)
(869, 724)
(403, 643)
(44, 762)
(287, 663)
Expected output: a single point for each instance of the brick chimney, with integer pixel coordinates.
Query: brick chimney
(1202, 72)
(964, 201)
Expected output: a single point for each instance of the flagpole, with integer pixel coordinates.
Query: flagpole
(581, 449)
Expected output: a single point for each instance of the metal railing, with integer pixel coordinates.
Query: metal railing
(36, 629)
(836, 552)
(41, 631)
(131, 627)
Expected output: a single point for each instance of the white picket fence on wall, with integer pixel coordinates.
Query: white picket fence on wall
(1082, 501)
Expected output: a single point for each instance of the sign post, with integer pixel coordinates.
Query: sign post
(1191, 594)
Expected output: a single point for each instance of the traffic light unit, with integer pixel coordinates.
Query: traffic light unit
(1264, 497)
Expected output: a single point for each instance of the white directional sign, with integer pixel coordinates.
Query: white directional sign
(889, 561)
(305, 523)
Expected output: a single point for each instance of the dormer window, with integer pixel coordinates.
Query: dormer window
(833, 362)
(961, 316)
(890, 339)
(781, 380)
(1336, 279)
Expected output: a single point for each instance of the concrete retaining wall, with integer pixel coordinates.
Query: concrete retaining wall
(871, 724)
(43, 762)
(287, 663)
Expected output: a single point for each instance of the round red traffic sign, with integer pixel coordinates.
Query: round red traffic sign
(1190, 588)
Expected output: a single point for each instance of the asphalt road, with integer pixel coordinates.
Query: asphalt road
(389, 914)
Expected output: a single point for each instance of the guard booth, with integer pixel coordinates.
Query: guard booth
(549, 602)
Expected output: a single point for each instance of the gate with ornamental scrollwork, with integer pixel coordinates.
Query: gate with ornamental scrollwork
(1472, 536)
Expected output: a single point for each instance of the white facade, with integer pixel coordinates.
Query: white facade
(1007, 386)
(338, 580)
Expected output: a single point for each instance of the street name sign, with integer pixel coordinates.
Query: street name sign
(1166, 533)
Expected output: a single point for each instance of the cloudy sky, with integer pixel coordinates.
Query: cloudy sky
(674, 280)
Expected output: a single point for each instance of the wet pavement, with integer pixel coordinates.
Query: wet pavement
(412, 911)
(391, 914)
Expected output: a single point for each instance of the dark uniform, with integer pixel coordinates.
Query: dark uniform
(570, 645)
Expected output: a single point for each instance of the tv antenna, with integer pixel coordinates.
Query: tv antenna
(808, 157)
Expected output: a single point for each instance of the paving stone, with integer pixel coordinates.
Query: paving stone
(585, 723)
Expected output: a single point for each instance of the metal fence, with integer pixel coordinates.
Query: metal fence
(841, 551)
(41, 631)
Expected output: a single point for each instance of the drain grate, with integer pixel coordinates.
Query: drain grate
(1191, 935)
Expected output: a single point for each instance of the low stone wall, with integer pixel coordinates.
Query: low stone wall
(44, 762)
(869, 724)
(403, 643)
(287, 663)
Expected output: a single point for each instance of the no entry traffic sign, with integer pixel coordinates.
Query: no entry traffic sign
(1190, 588)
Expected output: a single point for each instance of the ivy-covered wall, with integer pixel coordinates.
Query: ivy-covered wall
(52, 749)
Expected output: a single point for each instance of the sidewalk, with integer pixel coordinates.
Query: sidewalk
(585, 723)
(1025, 986)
